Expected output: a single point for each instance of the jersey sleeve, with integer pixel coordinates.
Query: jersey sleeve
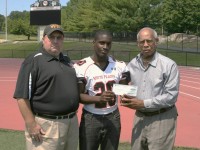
(80, 72)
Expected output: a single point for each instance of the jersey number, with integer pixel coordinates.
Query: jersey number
(100, 86)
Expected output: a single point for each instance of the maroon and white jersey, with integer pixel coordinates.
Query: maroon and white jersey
(97, 80)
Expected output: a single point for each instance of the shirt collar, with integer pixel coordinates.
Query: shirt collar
(49, 57)
(110, 59)
(153, 62)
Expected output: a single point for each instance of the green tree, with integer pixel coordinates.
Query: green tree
(181, 15)
(18, 23)
(79, 16)
(18, 15)
(119, 15)
(115, 15)
(89, 15)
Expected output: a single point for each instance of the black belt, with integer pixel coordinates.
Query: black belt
(68, 116)
(100, 115)
(162, 110)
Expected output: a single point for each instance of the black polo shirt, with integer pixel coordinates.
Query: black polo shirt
(49, 83)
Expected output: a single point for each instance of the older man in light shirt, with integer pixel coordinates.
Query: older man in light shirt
(157, 79)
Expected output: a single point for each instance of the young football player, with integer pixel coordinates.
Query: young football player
(100, 121)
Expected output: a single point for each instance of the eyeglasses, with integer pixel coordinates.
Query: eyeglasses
(58, 38)
(147, 41)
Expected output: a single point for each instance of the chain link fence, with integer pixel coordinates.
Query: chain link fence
(183, 48)
(174, 41)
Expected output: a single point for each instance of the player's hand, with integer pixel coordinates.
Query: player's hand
(35, 131)
(131, 102)
(107, 96)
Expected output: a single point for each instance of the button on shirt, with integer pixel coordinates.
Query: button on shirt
(158, 83)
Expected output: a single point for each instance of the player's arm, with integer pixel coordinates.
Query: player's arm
(88, 99)
(85, 98)
(106, 96)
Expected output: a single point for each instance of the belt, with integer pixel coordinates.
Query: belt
(68, 116)
(162, 110)
(100, 115)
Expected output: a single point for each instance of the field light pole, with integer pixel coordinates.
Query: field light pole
(6, 34)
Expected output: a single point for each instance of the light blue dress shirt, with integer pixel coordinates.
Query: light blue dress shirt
(158, 83)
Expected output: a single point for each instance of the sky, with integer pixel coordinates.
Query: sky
(19, 5)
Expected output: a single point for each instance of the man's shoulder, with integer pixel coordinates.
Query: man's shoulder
(120, 64)
(116, 61)
(165, 59)
(31, 57)
(83, 62)
(133, 61)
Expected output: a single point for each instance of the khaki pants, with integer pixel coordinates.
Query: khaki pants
(61, 134)
(155, 132)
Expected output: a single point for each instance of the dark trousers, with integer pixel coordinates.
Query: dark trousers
(99, 130)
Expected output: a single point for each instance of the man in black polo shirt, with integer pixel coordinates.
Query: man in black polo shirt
(47, 95)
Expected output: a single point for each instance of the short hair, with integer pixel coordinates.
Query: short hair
(102, 32)
(155, 35)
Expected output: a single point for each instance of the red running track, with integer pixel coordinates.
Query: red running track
(188, 104)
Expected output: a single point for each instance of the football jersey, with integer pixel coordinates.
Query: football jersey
(97, 81)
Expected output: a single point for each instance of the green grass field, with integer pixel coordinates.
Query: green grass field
(14, 140)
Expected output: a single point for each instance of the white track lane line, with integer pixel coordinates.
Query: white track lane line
(190, 77)
(190, 95)
(8, 80)
(190, 86)
(190, 74)
(190, 81)
(8, 77)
